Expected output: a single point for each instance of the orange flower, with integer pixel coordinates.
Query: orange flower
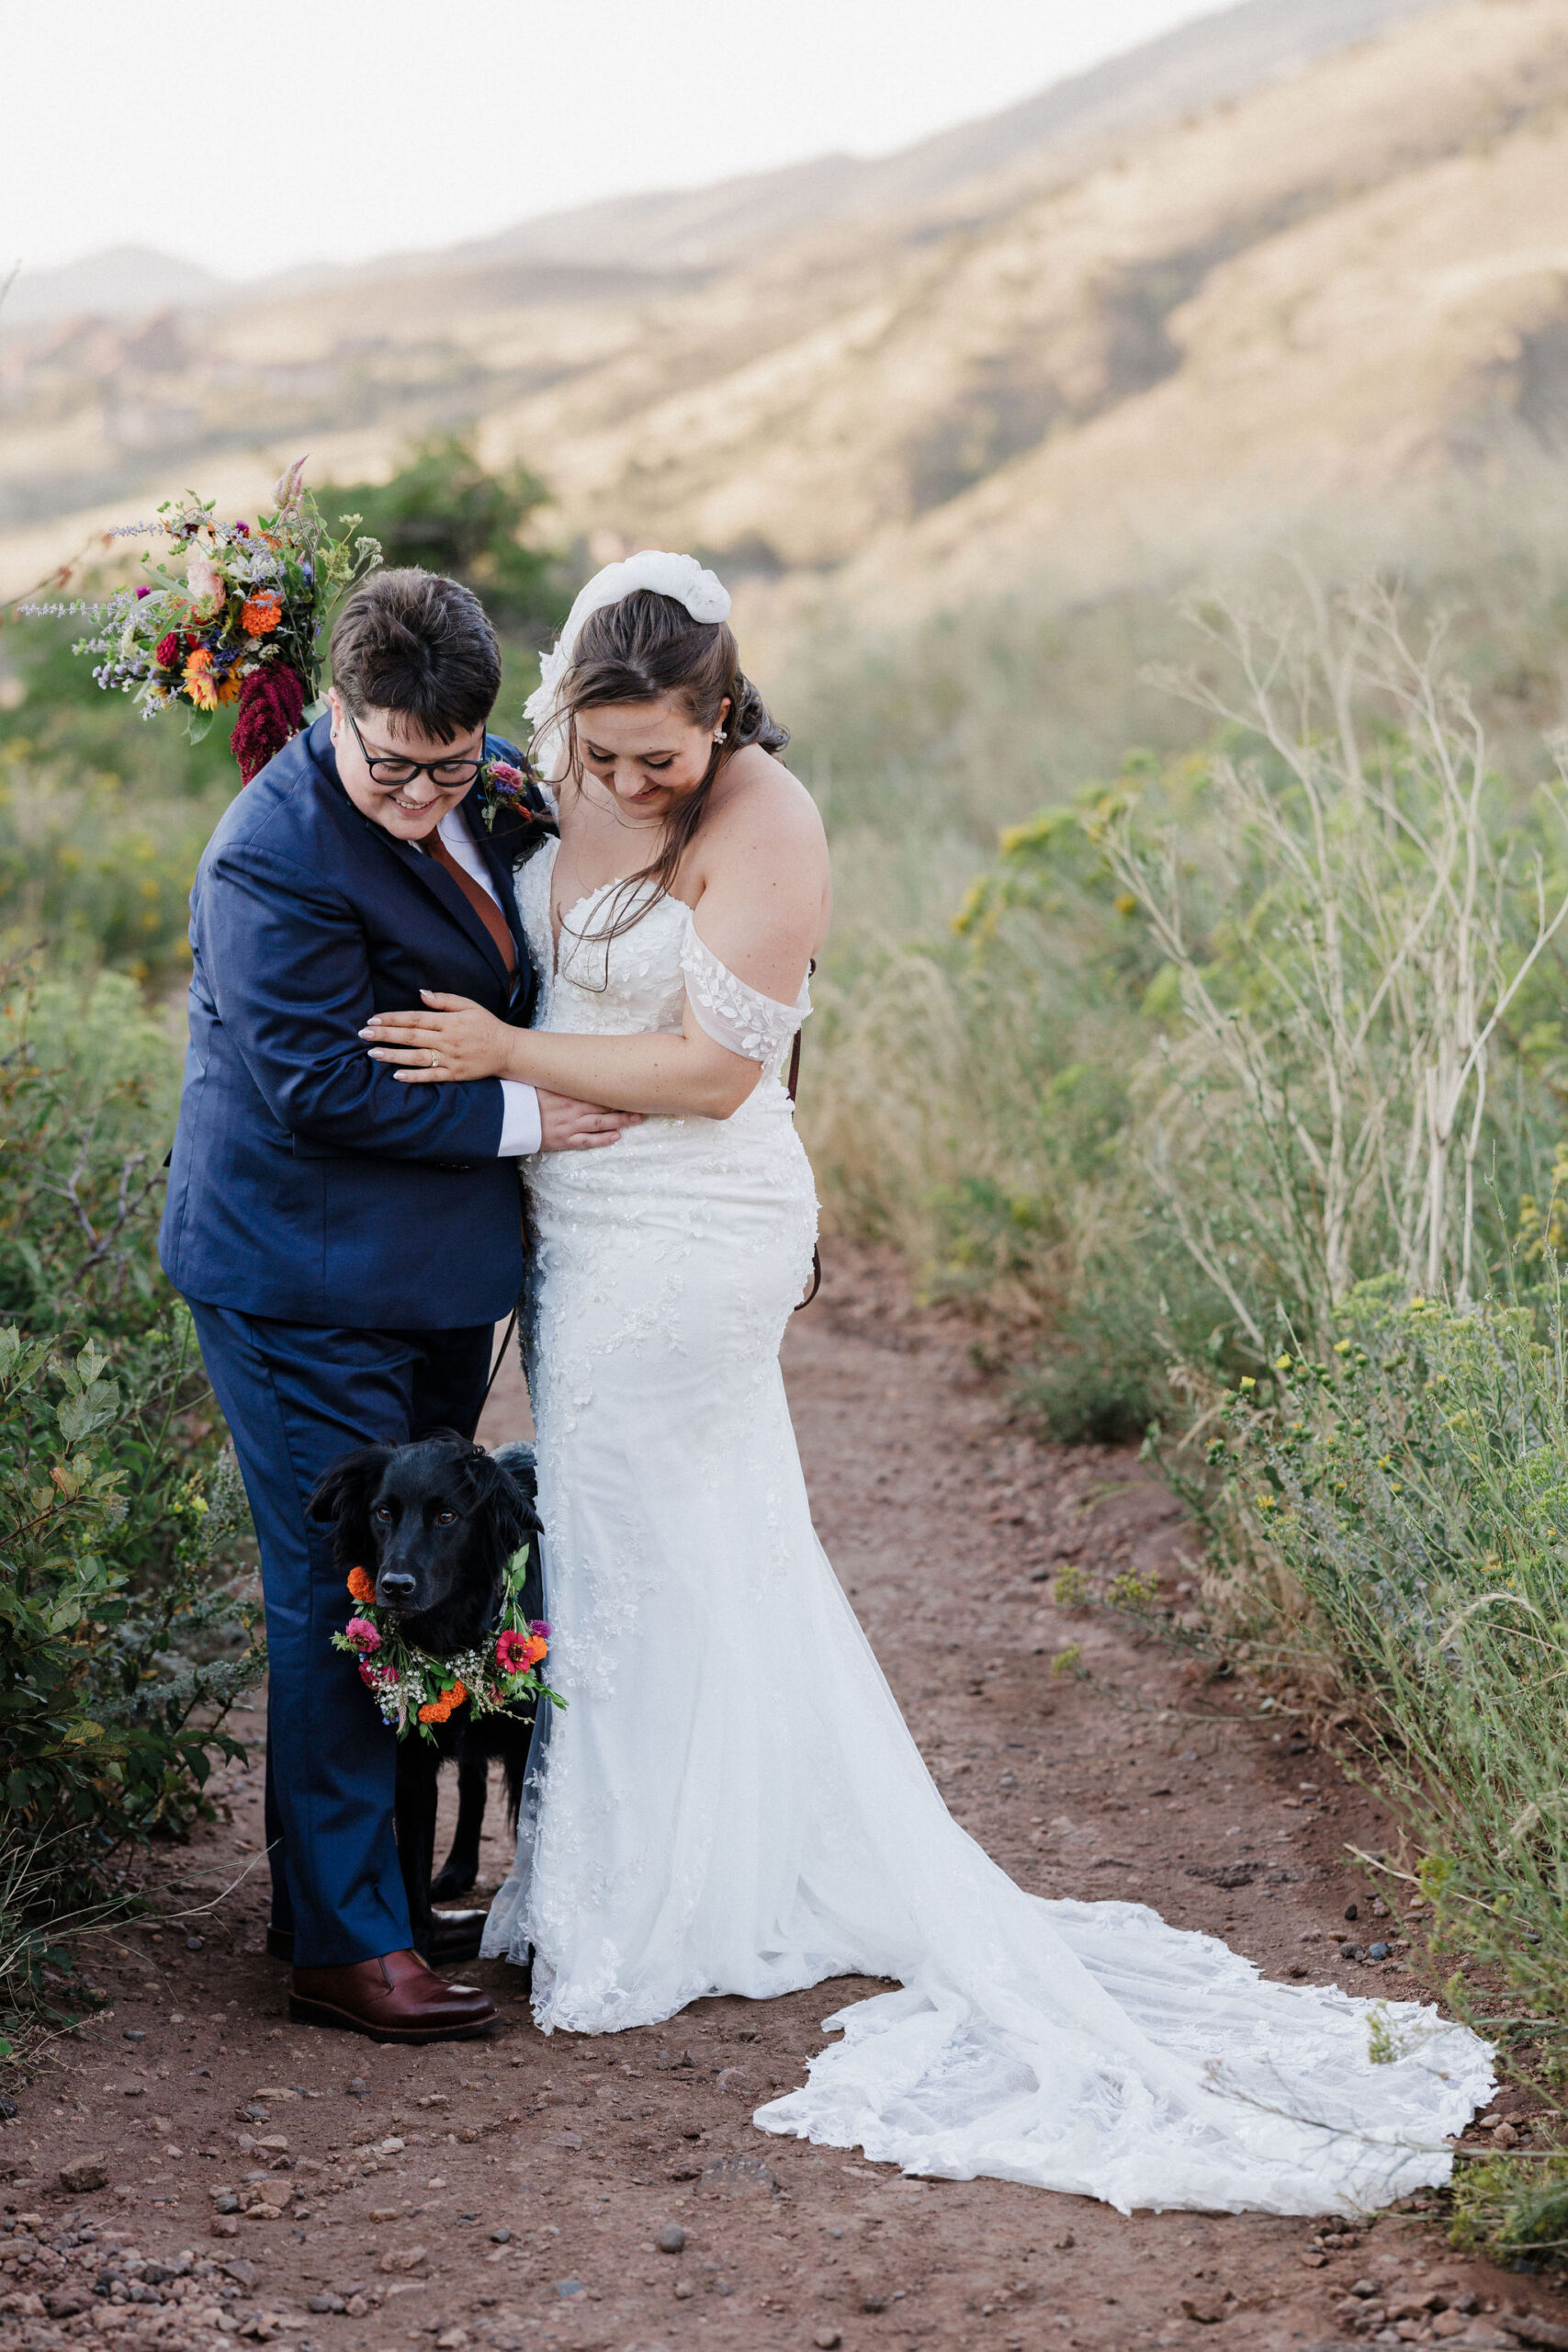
(455, 1697)
(199, 680)
(533, 1649)
(260, 613)
(432, 1711)
(231, 687)
(360, 1586)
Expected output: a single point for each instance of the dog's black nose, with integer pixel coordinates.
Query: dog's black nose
(394, 1589)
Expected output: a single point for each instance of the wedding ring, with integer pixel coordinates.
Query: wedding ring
(434, 1060)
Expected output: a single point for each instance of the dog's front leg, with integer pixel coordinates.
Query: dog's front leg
(461, 1868)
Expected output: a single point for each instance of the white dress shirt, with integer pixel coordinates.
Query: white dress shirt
(521, 1131)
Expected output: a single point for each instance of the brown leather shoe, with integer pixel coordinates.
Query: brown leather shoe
(395, 1999)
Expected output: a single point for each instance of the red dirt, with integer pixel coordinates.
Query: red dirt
(943, 1521)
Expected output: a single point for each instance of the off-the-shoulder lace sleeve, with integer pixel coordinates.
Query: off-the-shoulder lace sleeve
(757, 1027)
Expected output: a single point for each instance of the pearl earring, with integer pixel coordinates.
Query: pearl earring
(718, 734)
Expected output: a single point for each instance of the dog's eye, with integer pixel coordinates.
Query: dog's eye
(445, 1518)
(381, 1512)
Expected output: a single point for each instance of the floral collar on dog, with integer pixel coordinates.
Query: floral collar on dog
(417, 1691)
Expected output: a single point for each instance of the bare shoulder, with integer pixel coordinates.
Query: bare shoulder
(761, 810)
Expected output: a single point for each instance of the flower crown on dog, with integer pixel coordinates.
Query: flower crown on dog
(416, 1691)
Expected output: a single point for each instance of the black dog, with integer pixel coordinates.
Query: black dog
(437, 1524)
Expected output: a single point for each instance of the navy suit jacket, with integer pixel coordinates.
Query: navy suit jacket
(305, 1183)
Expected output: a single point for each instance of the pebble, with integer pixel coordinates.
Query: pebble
(356, 2088)
(1352, 1910)
(85, 2173)
(501, 2237)
(827, 2339)
(194, 1943)
(1379, 1951)
(133, 2033)
(672, 2238)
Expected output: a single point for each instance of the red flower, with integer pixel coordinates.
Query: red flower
(168, 653)
(271, 709)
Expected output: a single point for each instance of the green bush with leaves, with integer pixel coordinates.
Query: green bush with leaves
(445, 510)
(1390, 1520)
(125, 1609)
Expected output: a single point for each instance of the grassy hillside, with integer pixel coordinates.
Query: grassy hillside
(1229, 272)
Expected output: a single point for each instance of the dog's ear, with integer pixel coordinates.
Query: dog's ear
(506, 1512)
(342, 1495)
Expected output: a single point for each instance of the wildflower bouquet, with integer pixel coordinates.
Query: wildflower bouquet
(243, 624)
(417, 1691)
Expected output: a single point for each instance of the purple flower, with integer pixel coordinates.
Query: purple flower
(142, 591)
(540, 1626)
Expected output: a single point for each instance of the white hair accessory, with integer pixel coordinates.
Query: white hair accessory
(704, 596)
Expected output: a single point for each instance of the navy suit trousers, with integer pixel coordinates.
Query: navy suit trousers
(298, 1397)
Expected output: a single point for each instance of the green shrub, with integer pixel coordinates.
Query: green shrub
(444, 510)
(1392, 1517)
(124, 1619)
(1512, 2207)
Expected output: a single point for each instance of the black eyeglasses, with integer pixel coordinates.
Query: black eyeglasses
(445, 773)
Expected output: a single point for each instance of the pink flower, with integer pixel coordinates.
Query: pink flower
(540, 1625)
(505, 777)
(363, 1634)
(512, 1653)
(205, 582)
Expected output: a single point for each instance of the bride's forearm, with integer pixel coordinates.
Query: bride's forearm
(686, 1074)
(669, 1076)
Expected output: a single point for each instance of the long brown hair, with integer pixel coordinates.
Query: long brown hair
(641, 649)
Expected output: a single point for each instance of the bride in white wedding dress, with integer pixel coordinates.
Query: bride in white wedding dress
(731, 1803)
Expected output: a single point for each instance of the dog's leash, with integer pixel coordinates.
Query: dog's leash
(794, 1082)
(501, 1358)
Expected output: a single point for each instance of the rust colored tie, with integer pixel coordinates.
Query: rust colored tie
(479, 897)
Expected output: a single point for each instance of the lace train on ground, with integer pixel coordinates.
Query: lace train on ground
(731, 1801)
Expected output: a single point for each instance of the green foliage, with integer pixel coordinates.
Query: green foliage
(1511, 2207)
(96, 872)
(125, 1623)
(1396, 1511)
(442, 509)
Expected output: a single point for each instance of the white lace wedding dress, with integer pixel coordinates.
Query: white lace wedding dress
(730, 1801)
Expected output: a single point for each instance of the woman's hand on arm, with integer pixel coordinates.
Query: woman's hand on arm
(674, 1075)
(464, 1039)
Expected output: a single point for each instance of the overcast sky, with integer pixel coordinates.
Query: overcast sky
(249, 139)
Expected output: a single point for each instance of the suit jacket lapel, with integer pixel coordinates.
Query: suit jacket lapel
(499, 869)
(436, 879)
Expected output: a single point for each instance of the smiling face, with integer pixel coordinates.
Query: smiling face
(409, 805)
(645, 757)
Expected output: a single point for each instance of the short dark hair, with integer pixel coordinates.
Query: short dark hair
(420, 644)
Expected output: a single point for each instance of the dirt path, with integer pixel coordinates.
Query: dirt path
(514, 2193)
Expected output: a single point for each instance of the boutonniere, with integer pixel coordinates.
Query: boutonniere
(504, 785)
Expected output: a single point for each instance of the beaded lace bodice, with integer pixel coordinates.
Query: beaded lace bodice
(640, 980)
